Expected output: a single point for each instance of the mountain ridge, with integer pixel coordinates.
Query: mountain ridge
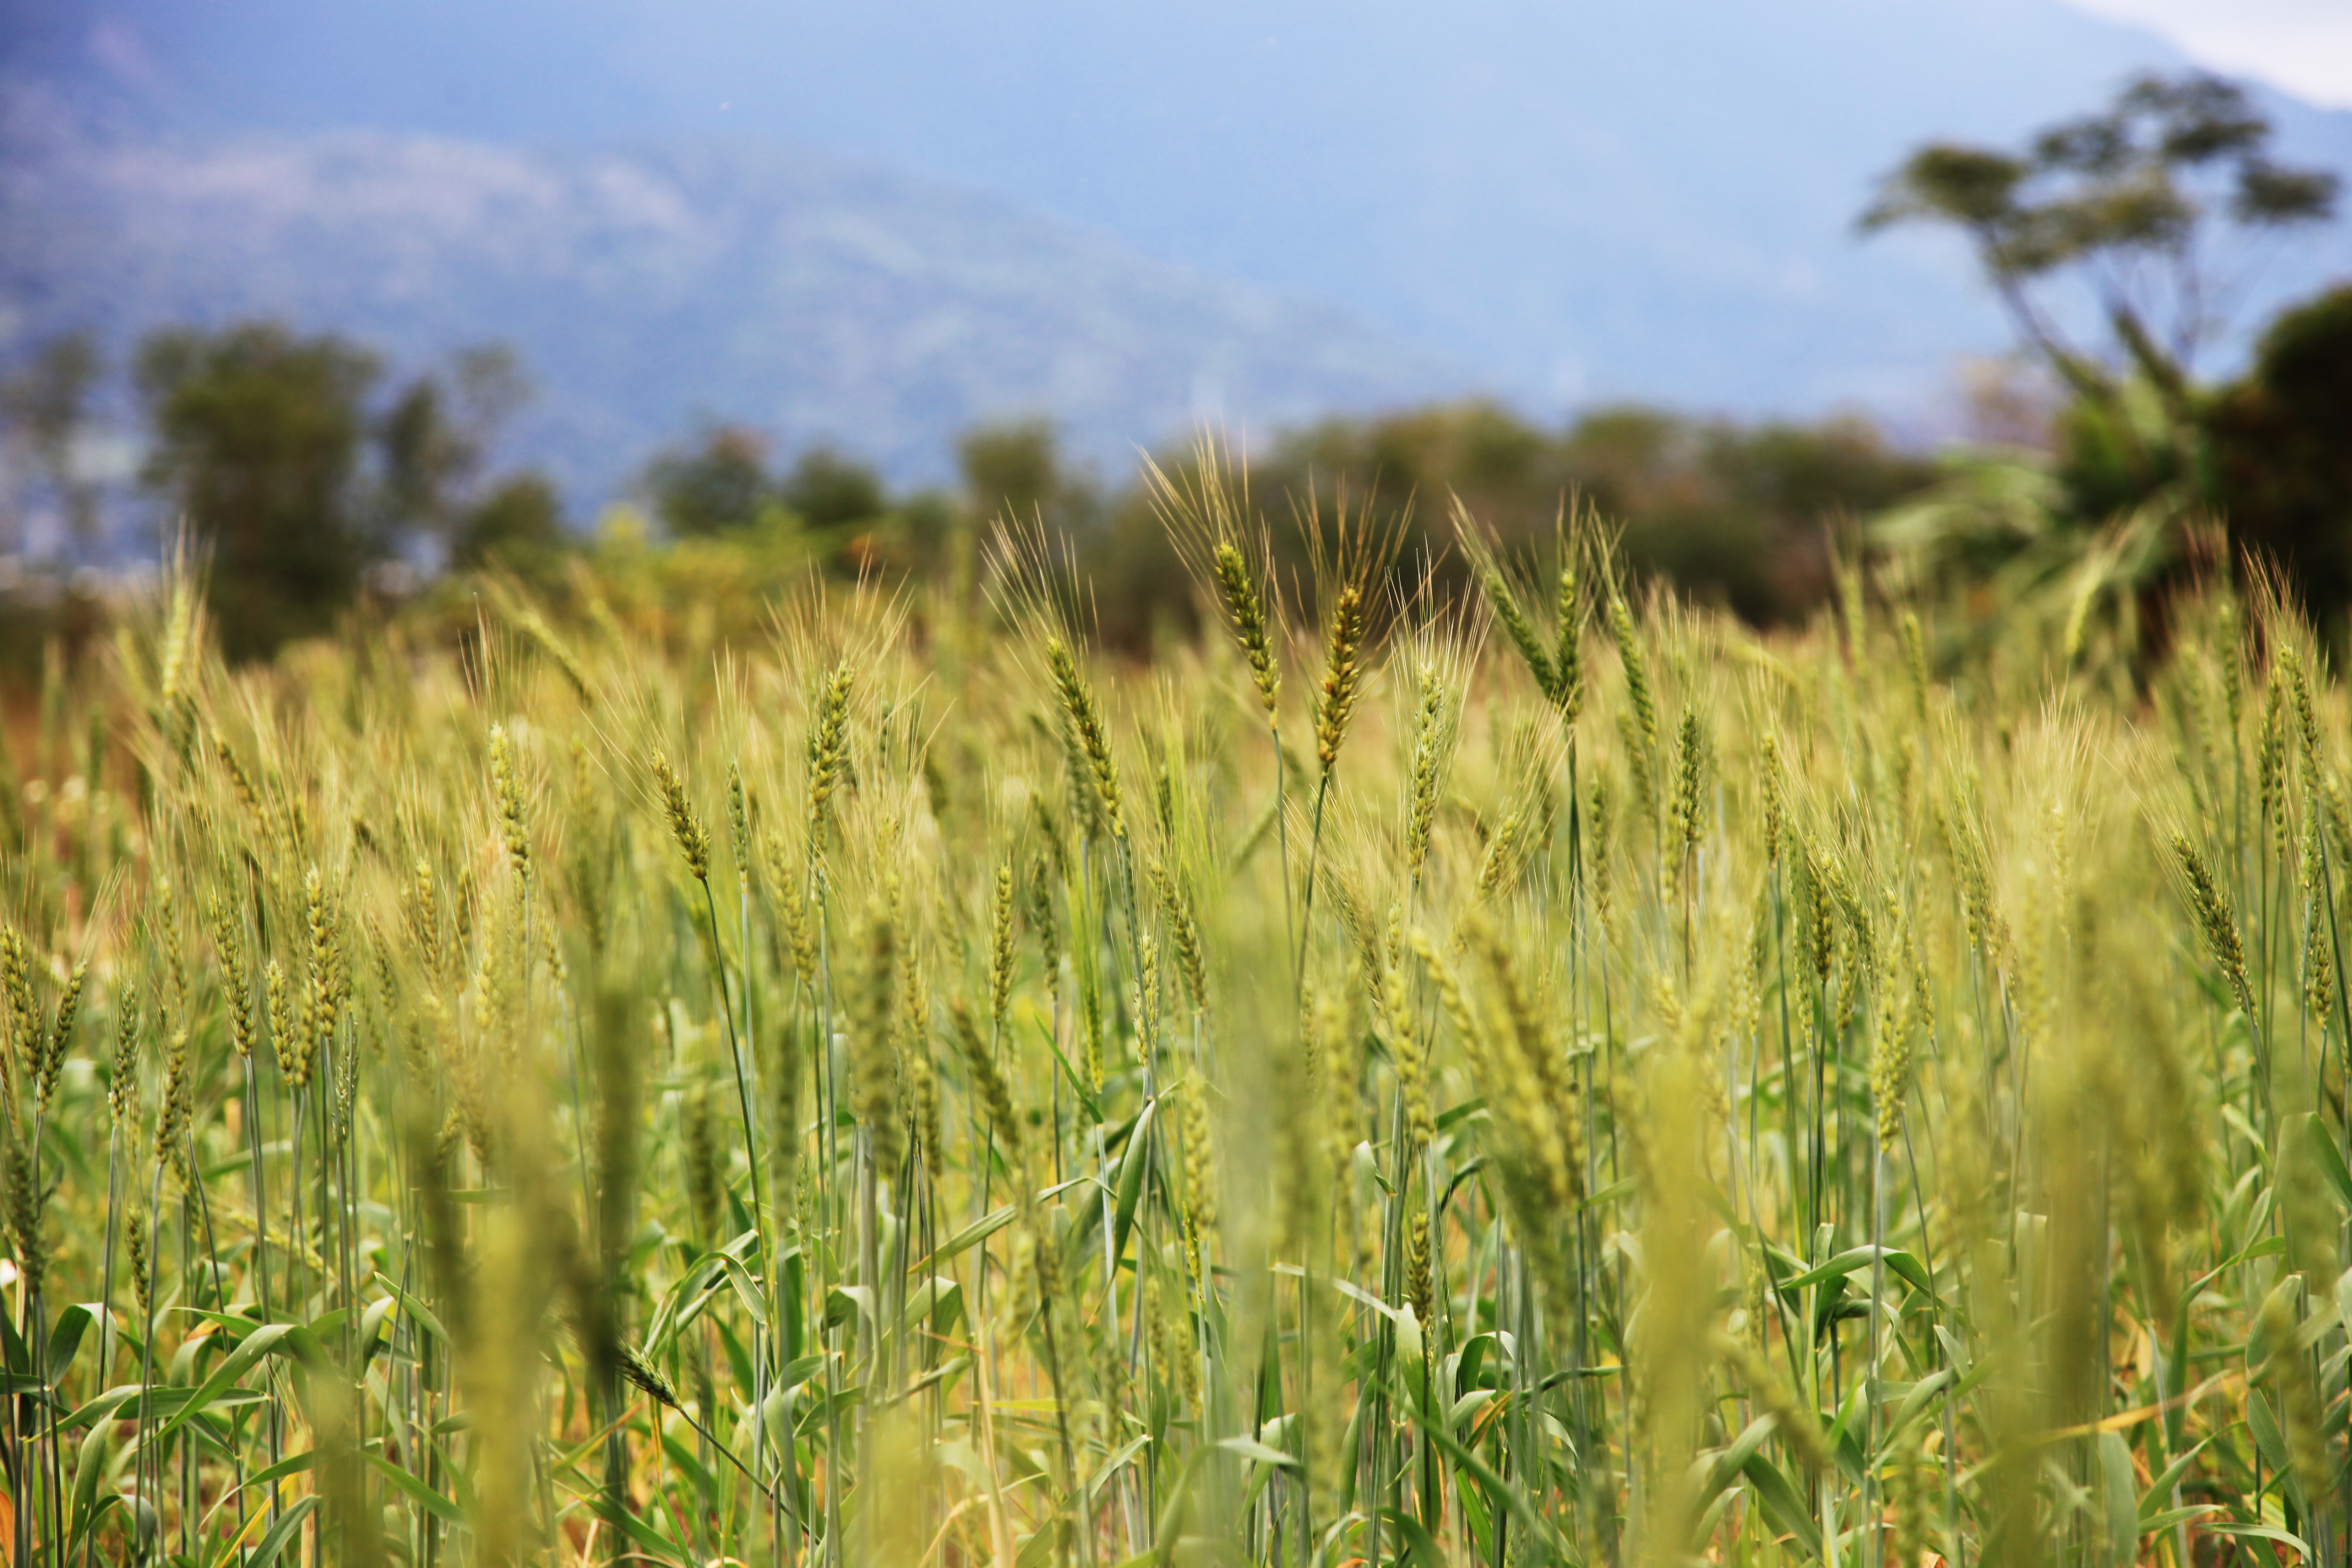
(816, 298)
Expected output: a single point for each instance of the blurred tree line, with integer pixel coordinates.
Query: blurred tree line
(1729, 512)
(314, 490)
(303, 482)
(1734, 514)
(313, 487)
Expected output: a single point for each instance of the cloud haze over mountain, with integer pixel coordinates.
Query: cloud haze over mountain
(810, 295)
(1340, 204)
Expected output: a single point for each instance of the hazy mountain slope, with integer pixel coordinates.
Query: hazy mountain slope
(812, 296)
(1582, 197)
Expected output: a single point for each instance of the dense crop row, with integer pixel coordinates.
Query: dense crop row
(1552, 1080)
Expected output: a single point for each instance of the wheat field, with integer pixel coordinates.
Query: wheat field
(1546, 1078)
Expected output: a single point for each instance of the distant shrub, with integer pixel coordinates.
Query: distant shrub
(1733, 515)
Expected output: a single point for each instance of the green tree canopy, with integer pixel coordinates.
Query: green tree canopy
(2282, 447)
(2126, 202)
(46, 406)
(1736, 514)
(826, 488)
(436, 439)
(718, 483)
(259, 440)
(2149, 213)
(519, 523)
(1015, 470)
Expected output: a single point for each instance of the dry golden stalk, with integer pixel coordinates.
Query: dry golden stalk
(1914, 659)
(2210, 902)
(534, 626)
(1200, 1167)
(23, 1015)
(1192, 964)
(988, 1085)
(1045, 927)
(1890, 1057)
(24, 1204)
(702, 1188)
(329, 979)
(1637, 672)
(738, 822)
(60, 1034)
(1082, 722)
(507, 786)
(1252, 628)
(423, 912)
(1687, 807)
(137, 1249)
(171, 1112)
(2227, 640)
(1407, 1050)
(1568, 661)
(287, 1037)
(916, 1068)
(2307, 721)
(828, 750)
(1450, 994)
(693, 840)
(800, 917)
(873, 1070)
(1000, 950)
(1343, 675)
(1420, 1284)
(1431, 746)
(247, 794)
(122, 1081)
(1146, 1004)
(1516, 625)
(1541, 1100)
(236, 982)
(172, 690)
(2318, 950)
(2270, 753)
(1774, 807)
